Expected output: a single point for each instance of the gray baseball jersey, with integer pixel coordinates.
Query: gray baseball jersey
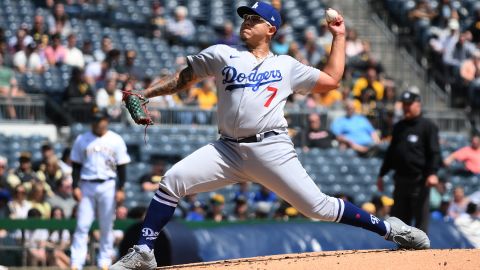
(251, 98)
(252, 94)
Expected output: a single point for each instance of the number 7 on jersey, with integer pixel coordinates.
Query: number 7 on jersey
(274, 90)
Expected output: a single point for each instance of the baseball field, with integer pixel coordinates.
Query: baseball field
(451, 259)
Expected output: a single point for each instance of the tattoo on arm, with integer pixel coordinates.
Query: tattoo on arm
(172, 84)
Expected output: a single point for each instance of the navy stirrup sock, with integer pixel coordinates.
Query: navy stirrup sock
(159, 212)
(352, 215)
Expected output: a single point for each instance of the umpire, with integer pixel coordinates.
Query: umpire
(414, 155)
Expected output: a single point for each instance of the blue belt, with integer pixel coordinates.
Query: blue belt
(252, 139)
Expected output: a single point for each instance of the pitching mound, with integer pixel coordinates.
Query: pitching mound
(461, 259)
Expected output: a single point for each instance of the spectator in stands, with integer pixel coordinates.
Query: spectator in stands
(355, 131)
(151, 180)
(129, 69)
(369, 87)
(73, 55)
(58, 242)
(24, 173)
(445, 11)
(458, 205)
(181, 29)
(42, 46)
(63, 196)
(457, 52)
(265, 195)
(228, 36)
(353, 45)
(314, 54)
(421, 15)
(21, 39)
(50, 172)
(216, 208)
(414, 154)
(316, 135)
(121, 213)
(262, 210)
(7, 78)
(468, 155)
(294, 51)
(206, 98)
(3, 176)
(440, 40)
(87, 52)
(358, 65)
(78, 89)
(36, 241)
(58, 22)
(4, 210)
(38, 198)
(19, 205)
(109, 99)
(383, 205)
(469, 224)
(65, 162)
(196, 213)
(96, 72)
(474, 27)
(105, 48)
(280, 43)
(329, 99)
(28, 60)
(324, 36)
(369, 208)
(240, 210)
(8, 85)
(186, 205)
(38, 28)
(56, 53)
(285, 212)
(470, 73)
(390, 110)
(47, 151)
(157, 19)
(245, 192)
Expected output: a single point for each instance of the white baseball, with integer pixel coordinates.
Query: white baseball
(331, 15)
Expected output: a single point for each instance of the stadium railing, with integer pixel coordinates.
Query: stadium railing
(22, 109)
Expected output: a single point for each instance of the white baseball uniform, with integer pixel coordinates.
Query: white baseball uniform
(99, 157)
(252, 95)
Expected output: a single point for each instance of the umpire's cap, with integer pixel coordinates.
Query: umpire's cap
(410, 95)
(264, 10)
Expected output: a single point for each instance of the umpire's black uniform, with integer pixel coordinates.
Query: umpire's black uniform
(414, 154)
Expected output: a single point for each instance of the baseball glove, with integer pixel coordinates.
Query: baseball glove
(137, 106)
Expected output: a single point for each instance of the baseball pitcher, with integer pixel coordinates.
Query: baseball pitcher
(253, 85)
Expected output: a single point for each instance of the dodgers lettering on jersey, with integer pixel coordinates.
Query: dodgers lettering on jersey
(99, 156)
(251, 93)
(255, 79)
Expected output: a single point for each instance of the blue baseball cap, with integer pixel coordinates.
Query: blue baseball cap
(264, 10)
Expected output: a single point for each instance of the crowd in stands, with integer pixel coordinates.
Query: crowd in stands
(448, 33)
(43, 188)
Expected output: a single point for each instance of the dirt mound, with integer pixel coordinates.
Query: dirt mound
(461, 259)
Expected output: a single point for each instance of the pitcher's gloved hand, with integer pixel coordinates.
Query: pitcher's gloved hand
(136, 105)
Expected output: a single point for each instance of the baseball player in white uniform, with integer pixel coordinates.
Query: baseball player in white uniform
(253, 85)
(99, 159)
